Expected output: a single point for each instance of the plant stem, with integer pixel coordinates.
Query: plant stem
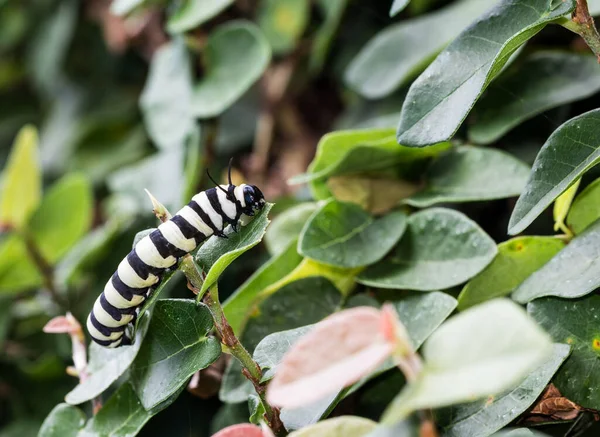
(583, 24)
(46, 270)
(251, 369)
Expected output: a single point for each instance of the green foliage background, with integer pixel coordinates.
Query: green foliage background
(412, 150)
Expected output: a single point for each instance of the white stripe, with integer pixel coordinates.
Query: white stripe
(130, 277)
(116, 343)
(174, 236)
(100, 336)
(190, 216)
(104, 318)
(147, 252)
(115, 299)
(204, 203)
(227, 205)
(239, 195)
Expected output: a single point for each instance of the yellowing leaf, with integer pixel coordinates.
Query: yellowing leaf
(562, 205)
(22, 180)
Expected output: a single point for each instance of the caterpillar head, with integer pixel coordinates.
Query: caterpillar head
(253, 198)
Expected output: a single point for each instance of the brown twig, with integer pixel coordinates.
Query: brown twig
(583, 24)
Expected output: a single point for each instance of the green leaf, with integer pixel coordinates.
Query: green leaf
(217, 253)
(148, 304)
(123, 415)
(257, 410)
(6, 308)
(571, 150)
(487, 416)
(21, 180)
(463, 363)
(283, 23)
(585, 209)
(520, 432)
(239, 305)
(64, 217)
(286, 227)
(176, 346)
(516, 260)
(343, 426)
(562, 205)
(166, 100)
(398, 6)
(441, 97)
(358, 151)
(573, 272)
(543, 81)
(574, 322)
(191, 14)
(466, 174)
(321, 44)
(399, 52)
(17, 270)
(63, 421)
(106, 365)
(441, 248)
(344, 235)
(236, 55)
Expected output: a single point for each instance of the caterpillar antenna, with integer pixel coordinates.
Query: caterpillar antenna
(216, 183)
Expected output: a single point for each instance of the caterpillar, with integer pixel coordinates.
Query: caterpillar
(138, 274)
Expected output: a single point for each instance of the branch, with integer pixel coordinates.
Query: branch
(583, 24)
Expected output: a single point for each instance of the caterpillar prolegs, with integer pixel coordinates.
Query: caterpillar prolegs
(208, 213)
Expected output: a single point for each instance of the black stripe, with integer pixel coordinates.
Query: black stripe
(186, 228)
(112, 311)
(200, 238)
(107, 342)
(140, 267)
(204, 216)
(125, 290)
(213, 198)
(165, 249)
(104, 330)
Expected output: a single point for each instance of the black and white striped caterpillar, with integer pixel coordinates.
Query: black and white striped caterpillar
(139, 273)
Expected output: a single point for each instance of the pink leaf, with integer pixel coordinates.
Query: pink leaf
(339, 351)
(240, 430)
(58, 325)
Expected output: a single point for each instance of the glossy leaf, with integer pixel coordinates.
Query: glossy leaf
(105, 366)
(166, 99)
(358, 151)
(236, 55)
(441, 97)
(574, 322)
(191, 14)
(239, 305)
(516, 260)
(123, 415)
(585, 209)
(466, 174)
(286, 227)
(401, 51)
(464, 364)
(175, 348)
(343, 235)
(543, 81)
(343, 426)
(573, 272)
(21, 189)
(489, 415)
(64, 216)
(217, 253)
(571, 150)
(63, 421)
(283, 22)
(441, 248)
